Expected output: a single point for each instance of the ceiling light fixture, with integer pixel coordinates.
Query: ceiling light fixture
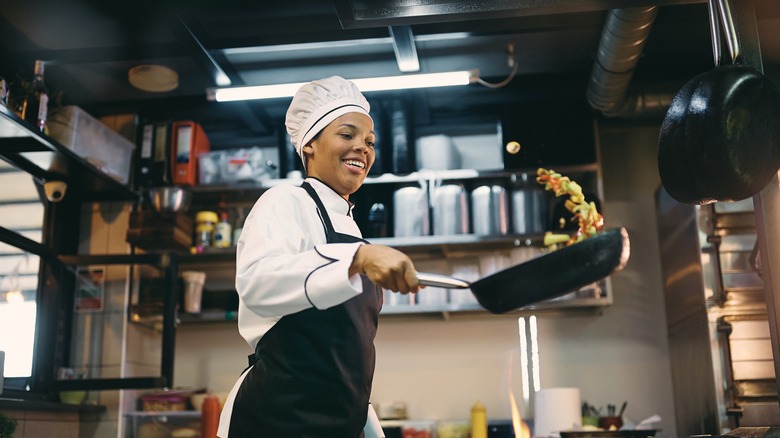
(404, 82)
(153, 78)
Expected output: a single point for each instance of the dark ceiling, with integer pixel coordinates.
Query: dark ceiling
(90, 45)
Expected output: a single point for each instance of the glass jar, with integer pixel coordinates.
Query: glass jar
(205, 221)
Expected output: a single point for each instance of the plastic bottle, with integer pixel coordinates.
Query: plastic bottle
(209, 417)
(223, 232)
(478, 420)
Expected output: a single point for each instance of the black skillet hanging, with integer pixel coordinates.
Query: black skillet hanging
(720, 139)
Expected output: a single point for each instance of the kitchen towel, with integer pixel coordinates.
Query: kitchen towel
(556, 409)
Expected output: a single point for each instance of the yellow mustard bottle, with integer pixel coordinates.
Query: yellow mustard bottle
(478, 420)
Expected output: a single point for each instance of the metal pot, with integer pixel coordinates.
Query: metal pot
(437, 152)
(410, 212)
(529, 207)
(490, 207)
(450, 210)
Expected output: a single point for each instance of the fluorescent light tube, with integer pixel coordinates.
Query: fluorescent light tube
(426, 80)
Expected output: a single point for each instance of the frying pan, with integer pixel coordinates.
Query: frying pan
(547, 276)
(720, 138)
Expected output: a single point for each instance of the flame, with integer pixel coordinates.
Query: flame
(14, 297)
(521, 428)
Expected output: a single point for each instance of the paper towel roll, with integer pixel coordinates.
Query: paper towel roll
(556, 409)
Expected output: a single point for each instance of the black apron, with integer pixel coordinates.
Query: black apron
(313, 369)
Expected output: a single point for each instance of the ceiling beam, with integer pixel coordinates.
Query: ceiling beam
(355, 15)
(203, 57)
(404, 49)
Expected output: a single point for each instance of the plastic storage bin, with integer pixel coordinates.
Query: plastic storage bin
(237, 165)
(165, 424)
(93, 141)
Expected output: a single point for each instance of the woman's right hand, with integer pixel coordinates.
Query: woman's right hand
(386, 267)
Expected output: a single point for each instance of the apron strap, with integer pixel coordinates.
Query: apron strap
(321, 212)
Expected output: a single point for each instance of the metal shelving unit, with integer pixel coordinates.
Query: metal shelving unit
(46, 159)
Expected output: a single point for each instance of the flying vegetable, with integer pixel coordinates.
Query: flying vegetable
(589, 220)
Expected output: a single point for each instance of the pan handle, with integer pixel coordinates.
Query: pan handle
(732, 39)
(712, 8)
(437, 280)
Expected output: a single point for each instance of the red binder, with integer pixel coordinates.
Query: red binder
(188, 141)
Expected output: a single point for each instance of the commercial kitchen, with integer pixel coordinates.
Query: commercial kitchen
(117, 258)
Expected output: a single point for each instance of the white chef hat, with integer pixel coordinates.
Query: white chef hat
(318, 103)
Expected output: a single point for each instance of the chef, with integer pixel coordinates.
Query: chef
(310, 288)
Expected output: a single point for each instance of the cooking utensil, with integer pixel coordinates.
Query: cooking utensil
(547, 276)
(720, 140)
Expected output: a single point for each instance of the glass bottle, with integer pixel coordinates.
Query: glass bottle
(377, 220)
(4, 90)
(36, 101)
(240, 218)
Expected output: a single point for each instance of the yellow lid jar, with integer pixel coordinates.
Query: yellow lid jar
(204, 229)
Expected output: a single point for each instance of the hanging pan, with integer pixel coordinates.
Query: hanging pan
(720, 138)
(544, 277)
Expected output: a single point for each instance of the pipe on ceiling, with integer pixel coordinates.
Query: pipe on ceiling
(622, 41)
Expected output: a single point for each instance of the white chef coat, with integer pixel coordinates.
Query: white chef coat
(284, 265)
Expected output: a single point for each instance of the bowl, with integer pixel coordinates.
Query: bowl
(170, 199)
(72, 397)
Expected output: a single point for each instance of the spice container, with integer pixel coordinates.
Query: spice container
(205, 221)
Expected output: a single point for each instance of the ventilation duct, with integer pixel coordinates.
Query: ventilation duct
(622, 41)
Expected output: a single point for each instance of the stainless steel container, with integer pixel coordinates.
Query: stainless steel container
(529, 207)
(410, 212)
(490, 207)
(437, 152)
(450, 210)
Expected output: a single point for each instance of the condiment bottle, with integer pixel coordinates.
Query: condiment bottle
(210, 417)
(223, 232)
(204, 228)
(478, 420)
